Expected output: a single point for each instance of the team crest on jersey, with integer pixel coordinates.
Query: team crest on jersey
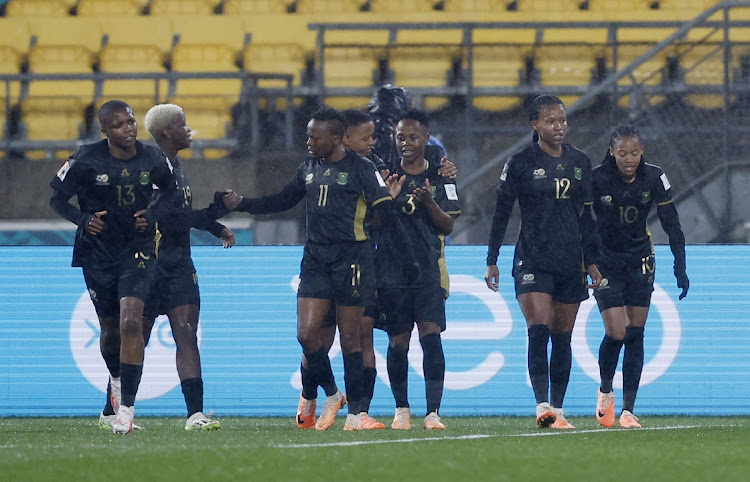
(343, 178)
(645, 197)
(309, 178)
(540, 173)
(145, 177)
(125, 173)
(527, 279)
(578, 173)
(606, 199)
(433, 190)
(102, 179)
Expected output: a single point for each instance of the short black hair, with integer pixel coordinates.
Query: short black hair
(107, 110)
(535, 106)
(336, 118)
(417, 115)
(355, 118)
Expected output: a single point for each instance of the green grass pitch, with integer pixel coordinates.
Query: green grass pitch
(473, 448)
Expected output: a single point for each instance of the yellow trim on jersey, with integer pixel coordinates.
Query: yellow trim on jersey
(452, 213)
(650, 239)
(665, 203)
(445, 281)
(359, 219)
(157, 240)
(378, 201)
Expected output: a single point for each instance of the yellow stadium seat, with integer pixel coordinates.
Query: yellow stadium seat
(52, 118)
(143, 30)
(182, 7)
(703, 65)
(642, 6)
(349, 66)
(475, 6)
(39, 8)
(398, 6)
(213, 30)
(108, 8)
(497, 66)
(243, 7)
(549, 6)
(14, 33)
(694, 6)
(328, 6)
(210, 117)
(285, 58)
(10, 63)
(423, 58)
(565, 65)
(85, 32)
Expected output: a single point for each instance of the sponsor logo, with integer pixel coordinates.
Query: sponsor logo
(63, 171)
(125, 173)
(102, 179)
(539, 173)
(606, 199)
(527, 279)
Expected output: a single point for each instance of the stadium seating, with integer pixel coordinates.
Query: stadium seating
(243, 7)
(402, 6)
(548, 7)
(499, 61)
(39, 8)
(208, 45)
(474, 6)
(348, 66)
(423, 58)
(182, 7)
(110, 8)
(328, 6)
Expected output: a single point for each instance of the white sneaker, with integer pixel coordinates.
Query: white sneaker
(199, 421)
(124, 422)
(402, 419)
(115, 393)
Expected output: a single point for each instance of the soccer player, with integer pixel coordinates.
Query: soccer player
(113, 180)
(339, 187)
(388, 104)
(552, 182)
(427, 204)
(176, 292)
(625, 190)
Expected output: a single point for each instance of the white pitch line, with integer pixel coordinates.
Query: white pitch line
(372, 442)
(480, 436)
(598, 430)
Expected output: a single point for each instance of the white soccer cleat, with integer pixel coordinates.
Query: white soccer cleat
(545, 417)
(402, 419)
(432, 422)
(124, 422)
(106, 421)
(199, 421)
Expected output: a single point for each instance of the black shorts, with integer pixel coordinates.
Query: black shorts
(169, 292)
(131, 276)
(342, 272)
(401, 308)
(567, 288)
(626, 285)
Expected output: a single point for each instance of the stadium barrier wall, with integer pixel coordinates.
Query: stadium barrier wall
(697, 359)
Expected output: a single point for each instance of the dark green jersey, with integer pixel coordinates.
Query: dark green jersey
(552, 193)
(337, 196)
(102, 182)
(622, 211)
(427, 241)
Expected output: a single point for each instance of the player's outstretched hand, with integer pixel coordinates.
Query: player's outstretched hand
(447, 168)
(492, 277)
(227, 237)
(595, 275)
(231, 199)
(683, 283)
(95, 225)
(141, 223)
